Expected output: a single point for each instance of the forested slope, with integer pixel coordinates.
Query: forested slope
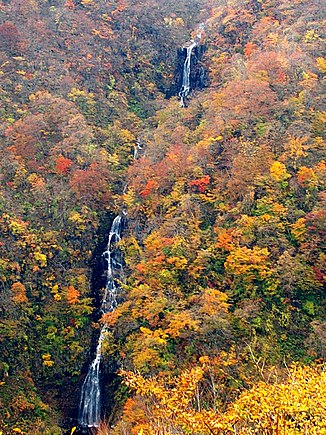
(77, 78)
(226, 210)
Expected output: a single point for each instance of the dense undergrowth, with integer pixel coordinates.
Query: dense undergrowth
(223, 249)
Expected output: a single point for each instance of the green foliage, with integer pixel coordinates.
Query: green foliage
(225, 201)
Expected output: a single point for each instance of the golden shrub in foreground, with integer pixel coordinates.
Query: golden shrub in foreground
(295, 406)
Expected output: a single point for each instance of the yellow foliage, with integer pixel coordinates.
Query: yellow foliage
(173, 22)
(129, 197)
(47, 362)
(126, 136)
(178, 263)
(40, 258)
(173, 399)
(204, 359)
(298, 229)
(294, 149)
(75, 93)
(181, 321)
(78, 220)
(278, 172)
(55, 288)
(248, 263)
(297, 406)
(321, 63)
(158, 336)
(273, 38)
(37, 183)
(147, 348)
(20, 174)
(311, 36)
(113, 159)
(145, 357)
(17, 227)
(205, 143)
(294, 407)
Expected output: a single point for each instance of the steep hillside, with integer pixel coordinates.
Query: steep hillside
(223, 246)
(77, 80)
(226, 214)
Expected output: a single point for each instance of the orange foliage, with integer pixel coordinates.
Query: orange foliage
(249, 48)
(246, 99)
(18, 293)
(72, 295)
(150, 185)
(135, 414)
(225, 239)
(307, 177)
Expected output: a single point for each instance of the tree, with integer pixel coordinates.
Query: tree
(295, 405)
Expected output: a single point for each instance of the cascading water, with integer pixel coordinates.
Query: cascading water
(90, 399)
(90, 405)
(185, 88)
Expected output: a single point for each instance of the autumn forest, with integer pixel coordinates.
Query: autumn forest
(199, 215)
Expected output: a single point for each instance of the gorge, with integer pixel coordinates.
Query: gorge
(203, 310)
(90, 406)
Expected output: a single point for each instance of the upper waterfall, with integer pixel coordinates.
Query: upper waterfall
(186, 85)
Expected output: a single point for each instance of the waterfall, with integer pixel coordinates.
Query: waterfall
(185, 88)
(90, 399)
(90, 405)
(137, 150)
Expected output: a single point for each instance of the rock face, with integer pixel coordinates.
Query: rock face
(198, 74)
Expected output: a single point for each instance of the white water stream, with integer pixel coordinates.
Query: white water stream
(90, 404)
(185, 88)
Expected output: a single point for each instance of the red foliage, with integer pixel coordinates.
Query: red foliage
(271, 63)
(201, 184)
(306, 176)
(315, 222)
(91, 184)
(249, 99)
(62, 165)
(28, 138)
(9, 37)
(319, 274)
(70, 4)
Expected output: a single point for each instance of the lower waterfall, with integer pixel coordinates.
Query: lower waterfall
(90, 404)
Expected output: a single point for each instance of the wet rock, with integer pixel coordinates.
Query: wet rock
(198, 74)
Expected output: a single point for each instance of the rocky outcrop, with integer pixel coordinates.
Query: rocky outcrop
(198, 75)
